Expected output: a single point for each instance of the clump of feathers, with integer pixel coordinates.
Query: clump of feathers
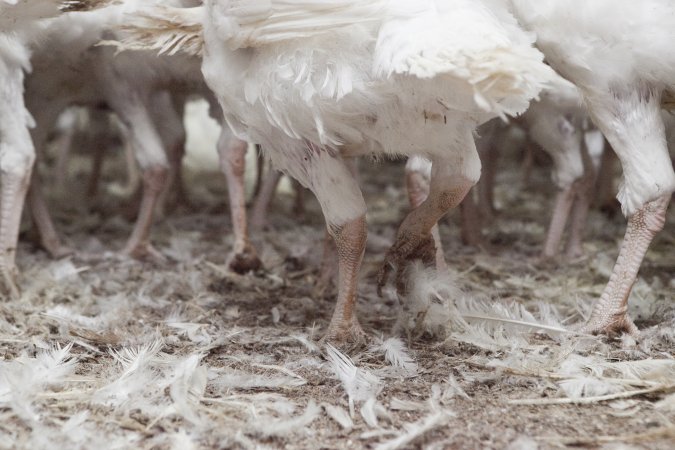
(434, 304)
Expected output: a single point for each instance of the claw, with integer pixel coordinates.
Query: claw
(612, 325)
(145, 252)
(383, 274)
(244, 261)
(345, 336)
(406, 249)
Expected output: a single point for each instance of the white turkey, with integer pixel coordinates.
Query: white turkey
(71, 69)
(315, 82)
(559, 124)
(19, 26)
(619, 54)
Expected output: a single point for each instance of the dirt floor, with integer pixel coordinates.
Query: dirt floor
(106, 352)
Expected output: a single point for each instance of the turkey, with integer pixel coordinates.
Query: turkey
(316, 82)
(618, 53)
(70, 69)
(19, 26)
(558, 123)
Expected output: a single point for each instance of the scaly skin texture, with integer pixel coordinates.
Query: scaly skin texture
(350, 239)
(418, 190)
(610, 312)
(14, 189)
(232, 153)
(580, 209)
(414, 239)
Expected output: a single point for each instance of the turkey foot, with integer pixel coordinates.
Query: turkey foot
(56, 249)
(612, 323)
(144, 251)
(409, 246)
(244, 261)
(345, 335)
(609, 314)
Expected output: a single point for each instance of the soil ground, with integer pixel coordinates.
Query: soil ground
(255, 337)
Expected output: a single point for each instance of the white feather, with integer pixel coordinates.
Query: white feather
(359, 384)
(415, 430)
(268, 427)
(396, 354)
(22, 379)
(339, 415)
(187, 388)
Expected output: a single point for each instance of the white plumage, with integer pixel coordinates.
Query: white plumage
(71, 69)
(19, 25)
(406, 79)
(620, 55)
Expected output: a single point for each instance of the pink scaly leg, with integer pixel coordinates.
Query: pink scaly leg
(232, 153)
(491, 135)
(49, 238)
(14, 187)
(610, 312)
(350, 241)
(346, 222)
(264, 198)
(329, 269)
(131, 107)
(417, 186)
(453, 173)
(167, 112)
(561, 210)
(138, 245)
(631, 121)
(583, 189)
(582, 204)
(17, 156)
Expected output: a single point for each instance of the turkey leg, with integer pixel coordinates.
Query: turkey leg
(232, 154)
(610, 312)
